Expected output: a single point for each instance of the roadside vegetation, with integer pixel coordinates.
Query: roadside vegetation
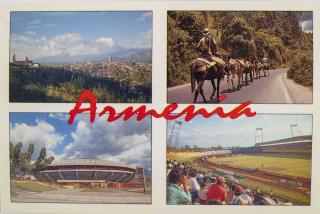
(301, 69)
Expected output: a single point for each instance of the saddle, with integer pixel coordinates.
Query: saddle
(218, 60)
(233, 62)
(207, 64)
(248, 63)
(204, 65)
(241, 62)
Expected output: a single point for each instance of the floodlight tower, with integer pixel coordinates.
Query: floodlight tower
(175, 133)
(294, 128)
(258, 134)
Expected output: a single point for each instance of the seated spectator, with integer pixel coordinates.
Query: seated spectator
(202, 193)
(194, 186)
(178, 189)
(217, 193)
(240, 197)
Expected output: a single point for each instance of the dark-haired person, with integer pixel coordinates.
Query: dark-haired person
(217, 193)
(178, 189)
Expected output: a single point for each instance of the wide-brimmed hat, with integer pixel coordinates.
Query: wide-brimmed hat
(206, 31)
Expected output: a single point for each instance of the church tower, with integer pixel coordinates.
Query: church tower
(14, 58)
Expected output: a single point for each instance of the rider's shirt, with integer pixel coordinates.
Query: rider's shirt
(208, 46)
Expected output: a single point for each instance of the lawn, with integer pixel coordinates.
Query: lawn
(283, 193)
(182, 156)
(31, 186)
(289, 166)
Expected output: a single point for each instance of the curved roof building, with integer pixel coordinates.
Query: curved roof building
(87, 170)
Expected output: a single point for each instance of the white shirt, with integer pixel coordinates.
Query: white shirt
(193, 183)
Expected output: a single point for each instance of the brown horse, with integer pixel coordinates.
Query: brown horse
(248, 70)
(266, 69)
(259, 69)
(200, 72)
(234, 69)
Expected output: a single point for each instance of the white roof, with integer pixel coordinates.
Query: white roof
(84, 161)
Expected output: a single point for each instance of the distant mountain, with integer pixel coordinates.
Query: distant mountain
(142, 55)
(128, 55)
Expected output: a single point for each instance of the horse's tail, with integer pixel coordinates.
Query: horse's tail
(193, 81)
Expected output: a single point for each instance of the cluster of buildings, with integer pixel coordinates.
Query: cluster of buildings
(106, 68)
(25, 62)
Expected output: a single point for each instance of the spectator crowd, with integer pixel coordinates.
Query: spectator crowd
(186, 185)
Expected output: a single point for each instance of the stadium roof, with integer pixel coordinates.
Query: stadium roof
(91, 162)
(287, 140)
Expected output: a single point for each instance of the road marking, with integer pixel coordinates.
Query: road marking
(284, 88)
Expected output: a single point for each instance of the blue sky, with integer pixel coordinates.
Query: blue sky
(49, 34)
(123, 142)
(239, 132)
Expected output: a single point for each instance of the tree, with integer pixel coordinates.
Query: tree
(25, 160)
(16, 157)
(238, 37)
(12, 167)
(42, 161)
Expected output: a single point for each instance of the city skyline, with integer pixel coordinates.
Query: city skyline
(49, 35)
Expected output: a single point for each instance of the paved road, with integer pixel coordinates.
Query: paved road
(77, 196)
(275, 88)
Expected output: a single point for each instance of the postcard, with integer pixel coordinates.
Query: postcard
(159, 107)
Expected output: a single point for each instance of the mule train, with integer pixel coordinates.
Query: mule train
(245, 71)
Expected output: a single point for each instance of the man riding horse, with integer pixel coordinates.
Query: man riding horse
(208, 67)
(208, 47)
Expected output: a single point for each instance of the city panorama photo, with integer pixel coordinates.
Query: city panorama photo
(55, 56)
(100, 163)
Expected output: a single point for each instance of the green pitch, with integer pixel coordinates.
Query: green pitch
(288, 166)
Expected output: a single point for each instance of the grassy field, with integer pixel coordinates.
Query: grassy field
(283, 193)
(181, 156)
(288, 166)
(31, 186)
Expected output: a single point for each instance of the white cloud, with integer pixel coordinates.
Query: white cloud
(42, 134)
(70, 44)
(109, 42)
(144, 41)
(59, 116)
(145, 16)
(307, 26)
(123, 142)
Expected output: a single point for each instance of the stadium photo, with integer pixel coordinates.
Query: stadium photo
(99, 163)
(264, 160)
